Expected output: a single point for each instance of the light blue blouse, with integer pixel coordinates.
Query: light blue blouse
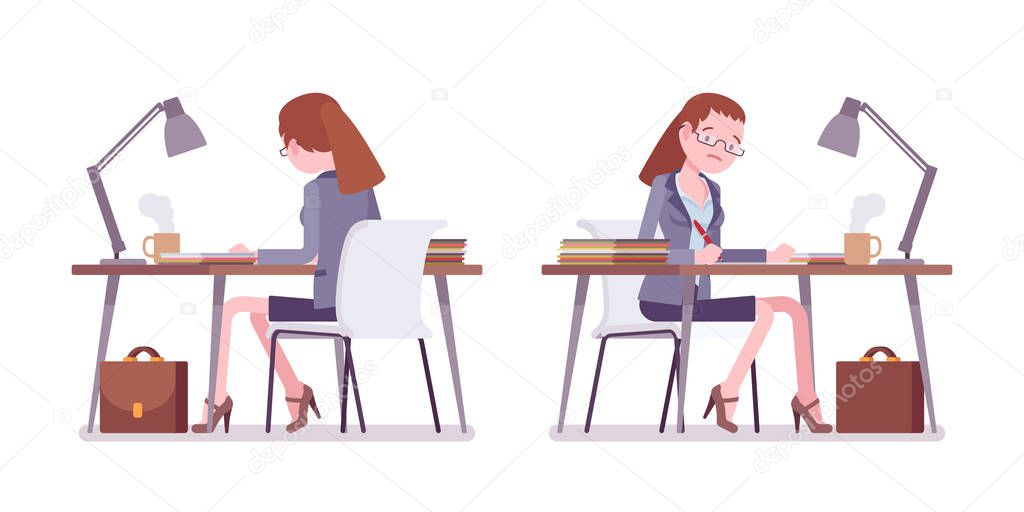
(697, 213)
(701, 214)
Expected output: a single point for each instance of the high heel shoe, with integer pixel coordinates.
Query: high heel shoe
(804, 411)
(719, 402)
(219, 411)
(305, 401)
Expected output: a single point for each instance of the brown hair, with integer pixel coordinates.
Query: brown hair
(317, 123)
(668, 155)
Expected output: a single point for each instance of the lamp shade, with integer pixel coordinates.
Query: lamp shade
(842, 133)
(181, 133)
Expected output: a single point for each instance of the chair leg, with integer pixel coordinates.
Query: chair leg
(668, 390)
(430, 386)
(339, 363)
(344, 386)
(355, 390)
(753, 394)
(270, 379)
(597, 378)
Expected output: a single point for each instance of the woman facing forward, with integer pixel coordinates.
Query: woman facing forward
(706, 138)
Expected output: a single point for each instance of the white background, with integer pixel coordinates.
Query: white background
(538, 94)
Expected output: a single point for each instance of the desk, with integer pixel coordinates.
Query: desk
(689, 273)
(219, 274)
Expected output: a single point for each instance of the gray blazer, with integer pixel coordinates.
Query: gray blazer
(326, 217)
(666, 208)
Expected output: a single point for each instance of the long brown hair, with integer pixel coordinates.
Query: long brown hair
(317, 123)
(668, 155)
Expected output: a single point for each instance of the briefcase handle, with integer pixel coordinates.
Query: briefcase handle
(889, 354)
(133, 356)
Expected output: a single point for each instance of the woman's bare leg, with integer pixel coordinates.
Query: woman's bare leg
(232, 307)
(765, 309)
(764, 317)
(802, 348)
(283, 368)
(257, 309)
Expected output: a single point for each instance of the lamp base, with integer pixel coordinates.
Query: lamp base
(901, 261)
(122, 261)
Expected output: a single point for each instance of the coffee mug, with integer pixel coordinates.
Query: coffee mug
(162, 242)
(858, 248)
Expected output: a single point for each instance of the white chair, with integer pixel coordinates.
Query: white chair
(622, 318)
(378, 297)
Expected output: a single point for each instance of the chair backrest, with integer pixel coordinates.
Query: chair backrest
(380, 275)
(621, 306)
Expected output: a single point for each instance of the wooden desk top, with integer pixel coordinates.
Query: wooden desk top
(748, 269)
(188, 269)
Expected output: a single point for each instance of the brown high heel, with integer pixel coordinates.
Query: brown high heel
(219, 411)
(804, 411)
(305, 402)
(719, 402)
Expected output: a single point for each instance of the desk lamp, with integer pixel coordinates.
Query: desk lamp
(843, 135)
(180, 135)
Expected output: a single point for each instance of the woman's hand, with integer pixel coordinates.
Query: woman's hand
(708, 255)
(782, 254)
(239, 248)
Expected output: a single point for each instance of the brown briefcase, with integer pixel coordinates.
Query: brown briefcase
(143, 396)
(876, 396)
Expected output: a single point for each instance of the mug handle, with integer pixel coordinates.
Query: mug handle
(879, 250)
(144, 251)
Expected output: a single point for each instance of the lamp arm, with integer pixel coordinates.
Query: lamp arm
(116, 243)
(895, 137)
(129, 137)
(926, 183)
(915, 214)
(113, 233)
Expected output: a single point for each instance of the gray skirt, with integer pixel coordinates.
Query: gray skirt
(725, 309)
(293, 309)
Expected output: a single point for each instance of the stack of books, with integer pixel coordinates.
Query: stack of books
(814, 258)
(447, 251)
(613, 252)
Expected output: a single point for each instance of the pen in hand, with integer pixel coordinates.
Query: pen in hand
(704, 235)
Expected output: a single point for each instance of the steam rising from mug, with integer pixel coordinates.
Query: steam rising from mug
(159, 209)
(864, 209)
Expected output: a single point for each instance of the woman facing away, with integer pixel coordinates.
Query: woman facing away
(318, 138)
(705, 138)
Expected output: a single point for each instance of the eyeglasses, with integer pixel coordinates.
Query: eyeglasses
(710, 140)
(284, 151)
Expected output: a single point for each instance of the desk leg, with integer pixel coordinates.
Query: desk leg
(686, 322)
(915, 318)
(215, 324)
(579, 302)
(805, 301)
(101, 352)
(444, 304)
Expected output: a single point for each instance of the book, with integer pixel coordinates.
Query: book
(446, 250)
(578, 251)
(232, 258)
(818, 257)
